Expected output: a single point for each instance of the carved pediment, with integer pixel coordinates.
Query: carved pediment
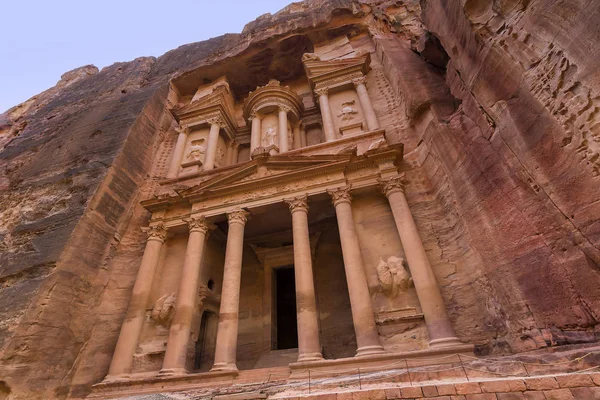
(257, 172)
(332, 72)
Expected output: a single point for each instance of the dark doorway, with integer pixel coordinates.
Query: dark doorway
(285, 309)
(205, 346)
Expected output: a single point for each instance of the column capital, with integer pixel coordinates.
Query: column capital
(392, 185)
(340, 195)
(359, 81)
(183, 129)
(253, 114)
(156, 232)
(199, 224)
(284, 107)
(322, 91)
(238, 217)
(216, 120)
(299, 203)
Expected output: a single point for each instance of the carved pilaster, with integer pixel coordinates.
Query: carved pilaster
(392, 185)
(156, 232)
(299, 203)
(340, 195)
(238, 217)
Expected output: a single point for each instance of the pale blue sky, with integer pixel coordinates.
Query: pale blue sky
(42, 39)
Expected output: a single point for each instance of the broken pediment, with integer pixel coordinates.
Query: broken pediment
(331, 73)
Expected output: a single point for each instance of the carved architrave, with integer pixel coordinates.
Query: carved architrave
(238, 217)
(392, 185)
(299, 203)
(156, 232)
(340, 195)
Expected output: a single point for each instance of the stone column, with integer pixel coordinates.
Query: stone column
(303, 141)
(328, 127)
(235, 155)
(213, 142)
(297, 140)
(120, 364)
(179, 334)
(227, 331)
(438, 324)
(229, 155)
(283, 129)
(255, 133)
(365, 103)
(309, 344)
(367, 338)
(177, 154)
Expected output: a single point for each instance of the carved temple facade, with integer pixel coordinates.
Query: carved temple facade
(280, 235)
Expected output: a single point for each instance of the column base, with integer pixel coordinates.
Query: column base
(445, 342)
(224, 367)
(172, 372)
(369, 350)
(310, 357)
(116, 378)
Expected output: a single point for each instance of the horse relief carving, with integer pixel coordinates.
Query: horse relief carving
(393, 276)
(162, 312)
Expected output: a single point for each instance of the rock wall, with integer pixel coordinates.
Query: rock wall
(496, 102)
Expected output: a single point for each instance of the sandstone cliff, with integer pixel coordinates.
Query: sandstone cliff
(496, 101)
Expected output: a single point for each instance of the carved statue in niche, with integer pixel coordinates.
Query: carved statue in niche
(220, 154)
(347, 112)
(270, 137)
(197, 151)
(162, 312)
(393, 276)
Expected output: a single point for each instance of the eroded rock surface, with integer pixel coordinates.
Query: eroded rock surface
(496, 102)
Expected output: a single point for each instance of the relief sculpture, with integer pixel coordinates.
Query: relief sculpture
(162, 312)
(197, 151)
(348, 111)
(393, 276)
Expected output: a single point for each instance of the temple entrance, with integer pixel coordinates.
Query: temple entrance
(284, 317)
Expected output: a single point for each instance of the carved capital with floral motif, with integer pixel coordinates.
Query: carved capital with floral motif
(299, 203)
(322, 91)
(392, 185)
(216, 120)
(199, 224)
(156, 232)
(360, 81)
(340, 195)
(237, 217)
(284, 107)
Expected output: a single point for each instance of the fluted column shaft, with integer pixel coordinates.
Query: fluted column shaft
(309, 344)
(181, 326)
(438, 323)
(129, 335)
(211, 148)
(328, 127)
(365, 103)
(255, 133)
(367, 337)
(177, 155)
(283, 130)
(227, 331)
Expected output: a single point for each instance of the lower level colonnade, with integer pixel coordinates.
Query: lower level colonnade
(368, 342)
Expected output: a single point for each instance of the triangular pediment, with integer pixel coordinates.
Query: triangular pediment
(316, 69)
(262, 170)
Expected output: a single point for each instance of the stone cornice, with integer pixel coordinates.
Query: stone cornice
(324, 75)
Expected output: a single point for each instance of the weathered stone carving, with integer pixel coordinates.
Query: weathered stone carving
(393, 276)
(156, 232)
(197, 151)
(340, 195)
(270, 137)
(162, 312)
(347, 113)
(310, 57)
